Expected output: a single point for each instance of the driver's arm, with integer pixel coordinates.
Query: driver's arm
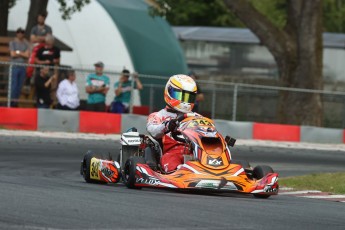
(155, 126)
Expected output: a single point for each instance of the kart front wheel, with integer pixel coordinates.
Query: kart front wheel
(129, 171)
(259, 172)
(86, 166)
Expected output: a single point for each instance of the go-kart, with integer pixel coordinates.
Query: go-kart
(207, 163)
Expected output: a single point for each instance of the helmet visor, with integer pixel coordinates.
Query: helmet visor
(182, 95)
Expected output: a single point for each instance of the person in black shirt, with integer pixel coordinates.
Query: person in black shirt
(43, 83)
(49, 54)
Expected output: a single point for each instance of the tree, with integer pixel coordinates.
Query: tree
(215, 13)
(195, 12)
(334, 15)
(297, 50)
(292, 32)
(37, 6)
(5, 5)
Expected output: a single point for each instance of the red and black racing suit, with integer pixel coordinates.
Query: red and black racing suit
(172, 150)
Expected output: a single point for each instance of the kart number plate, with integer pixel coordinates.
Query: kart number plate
(94, 168)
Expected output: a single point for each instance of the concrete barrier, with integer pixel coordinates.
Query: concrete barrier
(238, 130)
(18, 118)
(130, 120)
(103, 123)
(107, 123)
(58, 120)
(321, 135)
(276, 132)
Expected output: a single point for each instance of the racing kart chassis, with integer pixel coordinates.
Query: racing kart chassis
(207, 163)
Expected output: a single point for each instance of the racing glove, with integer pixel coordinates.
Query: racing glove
(171, 126)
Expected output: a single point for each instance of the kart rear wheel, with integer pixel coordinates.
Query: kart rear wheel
(259, 172)
(129, 171)
(85, 167)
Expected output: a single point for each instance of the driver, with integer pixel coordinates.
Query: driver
(179, 95)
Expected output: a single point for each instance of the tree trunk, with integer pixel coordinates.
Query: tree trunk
(4, 7)
(36, 7)
(306, 70)
(297, 50)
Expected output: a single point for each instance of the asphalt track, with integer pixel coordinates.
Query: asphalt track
(41, 188)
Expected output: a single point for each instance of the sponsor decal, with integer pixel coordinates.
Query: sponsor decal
(198, 122)
(133, 141)
(215, 162)
(107, 172)
(94, 166)
(208, 184)
(150, 181)
(130, 141)
(270, 189)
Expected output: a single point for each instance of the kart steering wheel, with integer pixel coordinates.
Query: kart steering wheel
(175, 134)
(177, 138)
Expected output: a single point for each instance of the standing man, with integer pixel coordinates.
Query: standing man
(19, 52)
(67, 93)
(37, 38)
(123, 90)
(43, 84)
(97, 86)
(41, 30)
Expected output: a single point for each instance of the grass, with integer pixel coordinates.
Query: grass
(325, 182)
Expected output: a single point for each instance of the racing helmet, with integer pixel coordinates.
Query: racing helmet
(180, 93)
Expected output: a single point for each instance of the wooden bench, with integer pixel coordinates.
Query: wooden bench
(4, 48)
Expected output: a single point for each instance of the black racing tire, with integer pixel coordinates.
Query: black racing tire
(259, 172)
(245, 164)
(85, 167)
(129, 171)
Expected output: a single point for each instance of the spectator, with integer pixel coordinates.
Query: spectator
(19, 52)
(97, 86)
(199, 95)
(43, 85)
(67, 93)
(123, 90)
(37, 38)
(48, 54)
(41, 30)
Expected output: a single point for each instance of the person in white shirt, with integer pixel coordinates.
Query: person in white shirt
(67, 93)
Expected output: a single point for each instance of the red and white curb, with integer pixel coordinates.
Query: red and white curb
(312, 194)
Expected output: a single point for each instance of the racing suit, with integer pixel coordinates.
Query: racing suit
(172, 150)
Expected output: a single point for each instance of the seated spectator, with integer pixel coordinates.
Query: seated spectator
(97, 86)
(43, 83)
(37, 38)
(19, 52)
(67, 93)
(123, 90)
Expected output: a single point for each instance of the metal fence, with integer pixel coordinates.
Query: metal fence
(223, 100)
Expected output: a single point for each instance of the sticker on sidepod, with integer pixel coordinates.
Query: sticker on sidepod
(200, 121)
(94, 167)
